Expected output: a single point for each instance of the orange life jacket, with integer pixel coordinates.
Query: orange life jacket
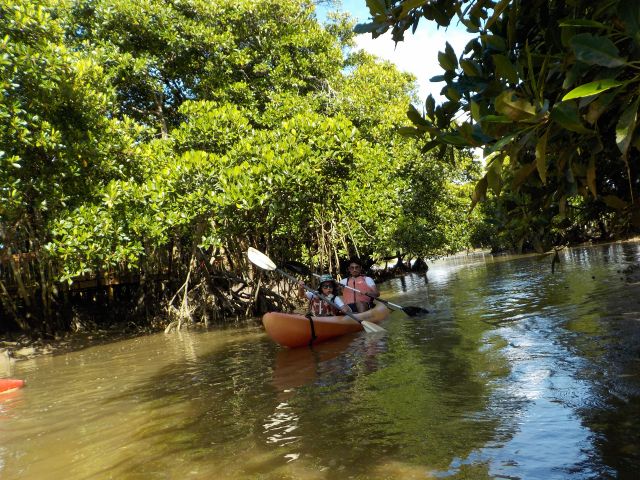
(320, 308)
(349, 296)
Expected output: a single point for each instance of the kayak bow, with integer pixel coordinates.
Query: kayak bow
(7, 384)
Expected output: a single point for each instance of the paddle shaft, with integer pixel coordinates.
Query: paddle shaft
(322, 297)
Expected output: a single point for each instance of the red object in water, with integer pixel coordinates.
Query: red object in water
(10, 384)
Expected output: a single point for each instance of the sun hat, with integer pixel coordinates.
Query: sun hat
(326, 278)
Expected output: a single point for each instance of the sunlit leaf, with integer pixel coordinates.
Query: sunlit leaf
(592, 88)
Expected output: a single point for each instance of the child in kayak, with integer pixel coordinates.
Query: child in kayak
(329, 289)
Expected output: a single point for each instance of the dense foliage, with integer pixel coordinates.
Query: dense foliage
(146, 144)
(550, 92)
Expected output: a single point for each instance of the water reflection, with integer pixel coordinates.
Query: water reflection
(516, 373)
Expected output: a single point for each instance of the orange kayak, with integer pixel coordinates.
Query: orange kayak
(294, 330)
(7, 384)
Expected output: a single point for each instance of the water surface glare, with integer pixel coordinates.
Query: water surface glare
(516, 373)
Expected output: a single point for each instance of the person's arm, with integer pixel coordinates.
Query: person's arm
(340, 303)
(373, 288)
(302, 292)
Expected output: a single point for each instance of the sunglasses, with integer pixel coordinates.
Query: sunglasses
(327, 285)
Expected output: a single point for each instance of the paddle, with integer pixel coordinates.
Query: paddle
(302, 269)
(260, 260)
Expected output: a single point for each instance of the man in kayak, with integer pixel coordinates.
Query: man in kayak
(358, 302)
(329, 289)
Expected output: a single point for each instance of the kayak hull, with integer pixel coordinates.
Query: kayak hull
(294, 330)
(7, 384)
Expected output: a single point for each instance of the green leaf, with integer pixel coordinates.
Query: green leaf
(430, 105)
(479, 192)
(522, 174)
(376, 7)
(496, 119)
(599, 106)
(475, 111)
(629, 13)
(591, 176)
(407, 5)
(447, 59)
(410, 132)
(566, 115)
(504, 68)
(581, 22)
(594, 50)
(494, 177)
(541, 156)
(592, 88)
(504, 141)
(470, 68)
(497, 11)
(614, 202)
(494, 42)
(455, 139)
(415, 117)
(625, 127)
(365, 27)
(514, 107)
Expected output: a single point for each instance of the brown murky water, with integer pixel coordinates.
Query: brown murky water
(517, 373)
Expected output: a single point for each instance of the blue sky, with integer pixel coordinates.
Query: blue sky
(418, 53)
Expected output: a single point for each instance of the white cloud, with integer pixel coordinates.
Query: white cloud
(418, 53)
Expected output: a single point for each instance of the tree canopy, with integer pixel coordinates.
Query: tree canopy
(147, 144)
(549, 91)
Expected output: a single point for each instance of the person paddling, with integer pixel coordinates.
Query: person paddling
(356, 279)
(318, 307)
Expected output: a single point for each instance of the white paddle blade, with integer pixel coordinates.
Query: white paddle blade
(260, 260)
(372, 327)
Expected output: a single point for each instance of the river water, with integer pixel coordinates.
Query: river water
(516, 373)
